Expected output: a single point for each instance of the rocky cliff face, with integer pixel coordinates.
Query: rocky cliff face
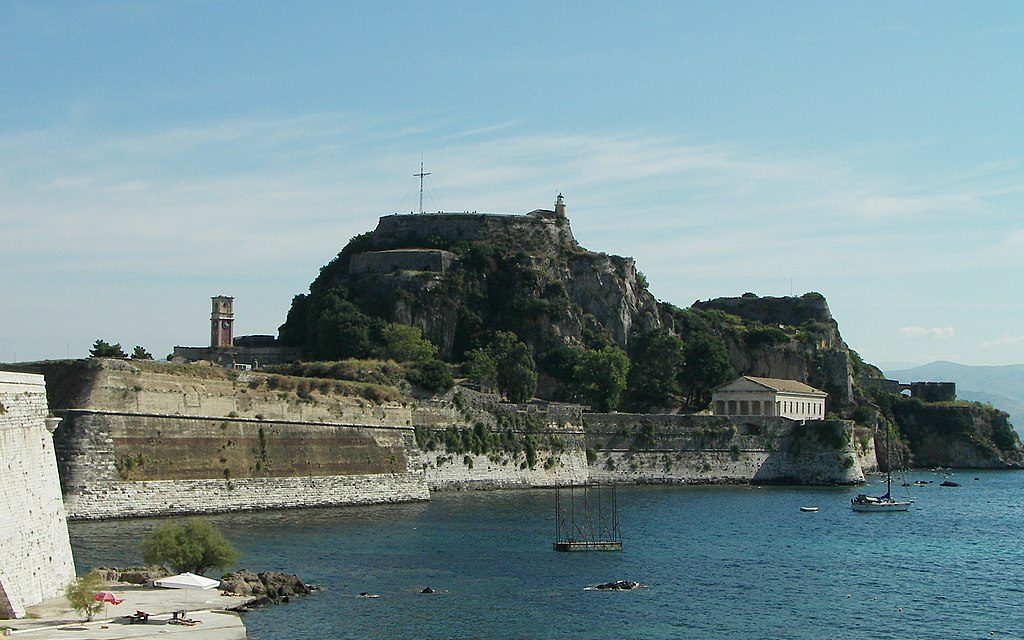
(792, 338)
(521, 273)
(956, 434)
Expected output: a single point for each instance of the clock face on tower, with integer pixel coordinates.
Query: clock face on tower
(224, 324)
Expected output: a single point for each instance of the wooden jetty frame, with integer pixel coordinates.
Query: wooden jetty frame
(575, 528)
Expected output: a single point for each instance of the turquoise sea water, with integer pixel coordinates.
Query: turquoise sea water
(720, 562)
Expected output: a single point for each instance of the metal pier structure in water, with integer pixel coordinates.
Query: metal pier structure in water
(588, 520)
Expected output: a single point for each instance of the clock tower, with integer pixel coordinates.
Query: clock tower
(222, 322)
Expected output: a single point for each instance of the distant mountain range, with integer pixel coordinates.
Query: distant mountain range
(1002, 387)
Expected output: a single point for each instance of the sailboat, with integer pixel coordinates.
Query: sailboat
(886, 502)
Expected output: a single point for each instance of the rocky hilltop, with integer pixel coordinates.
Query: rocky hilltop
(460, 277)
(792, 338)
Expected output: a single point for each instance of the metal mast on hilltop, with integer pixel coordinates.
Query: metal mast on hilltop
(421, 175)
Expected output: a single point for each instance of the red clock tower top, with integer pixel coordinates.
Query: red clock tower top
(222, 322)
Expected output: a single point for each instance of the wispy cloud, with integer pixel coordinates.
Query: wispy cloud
(928, 332)
(1004, 341)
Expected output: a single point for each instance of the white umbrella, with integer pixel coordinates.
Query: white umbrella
(188, 581)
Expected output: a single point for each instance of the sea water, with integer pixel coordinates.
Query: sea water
(717, 562)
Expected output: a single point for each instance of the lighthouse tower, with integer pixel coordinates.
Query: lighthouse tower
(560, 207)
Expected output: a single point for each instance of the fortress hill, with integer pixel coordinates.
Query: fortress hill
(537, 230)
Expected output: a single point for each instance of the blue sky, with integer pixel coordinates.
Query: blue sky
(153, 154)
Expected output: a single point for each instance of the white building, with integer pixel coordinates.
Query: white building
(750, 396)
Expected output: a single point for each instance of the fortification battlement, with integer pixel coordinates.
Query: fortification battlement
(537, 230)
(794, 310)
(383, 262)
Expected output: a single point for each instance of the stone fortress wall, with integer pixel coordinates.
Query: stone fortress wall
(385, 262)
(707, 449)
(159, 439)
(35, 554)
(527, 232)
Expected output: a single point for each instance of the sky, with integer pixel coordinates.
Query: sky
(155, 154)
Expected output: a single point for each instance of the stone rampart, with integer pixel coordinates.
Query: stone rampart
(385, 262)
(35, 553)
(147, 440)
(530, 233)
(711, 449)
(106, 500)
(159, 439)
(129, 464)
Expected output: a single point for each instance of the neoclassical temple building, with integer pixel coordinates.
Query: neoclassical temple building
(750, 396)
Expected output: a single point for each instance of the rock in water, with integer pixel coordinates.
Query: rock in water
(268, 587)
(618, 585)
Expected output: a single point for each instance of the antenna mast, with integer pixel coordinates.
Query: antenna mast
(421, 175)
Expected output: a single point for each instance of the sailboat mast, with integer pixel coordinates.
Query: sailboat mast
(888, 465)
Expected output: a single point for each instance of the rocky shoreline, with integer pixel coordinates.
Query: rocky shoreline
(263, 588)
(266, 588)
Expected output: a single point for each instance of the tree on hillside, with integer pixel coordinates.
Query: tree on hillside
(339, 330)
(103, 349)
(705, 366)
(516, 369)
(481, 368)
(193, 545)
(80, 594)
(432, 375)
(139, 353)
(403, 343)
(653, 381)
(600, 377)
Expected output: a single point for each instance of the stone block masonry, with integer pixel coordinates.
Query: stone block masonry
(35, 553)
(113, 499)
(117, 464)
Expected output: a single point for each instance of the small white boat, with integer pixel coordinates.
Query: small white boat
(808, 509)
(881, 503)
(864, 503)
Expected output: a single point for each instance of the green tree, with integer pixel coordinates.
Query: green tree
(705, 366)
(653, 381)
(139, 353)
(80, 594)
(193, 545)
(600, 377)
(403, 343)
(481, 368)
(340, 330)
(432, 375)
(516, 369)
(103, 349)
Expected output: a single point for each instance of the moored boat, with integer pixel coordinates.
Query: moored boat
(865, 503)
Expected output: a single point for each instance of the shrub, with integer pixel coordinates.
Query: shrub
(81, 591)
(432, 375)
(194, 545)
